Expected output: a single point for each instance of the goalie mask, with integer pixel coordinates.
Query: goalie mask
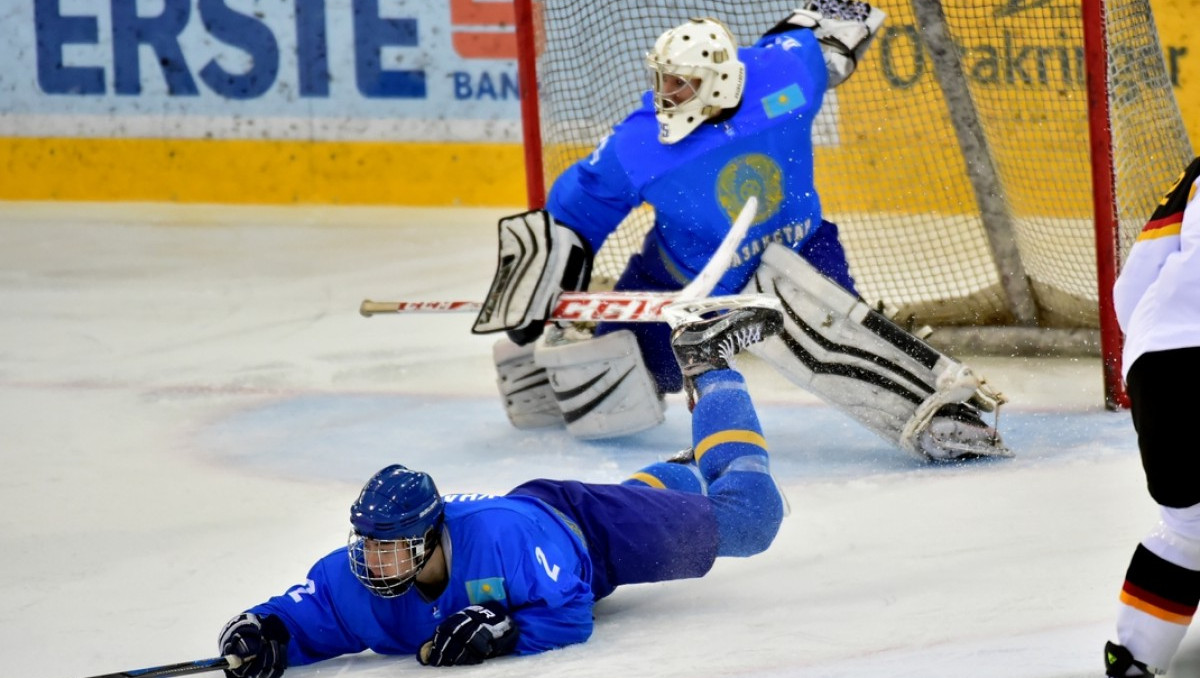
(696, 74)
(397, 521)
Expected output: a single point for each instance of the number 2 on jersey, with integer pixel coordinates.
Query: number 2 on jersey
(541, 558)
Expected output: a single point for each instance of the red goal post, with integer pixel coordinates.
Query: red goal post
(989, 164)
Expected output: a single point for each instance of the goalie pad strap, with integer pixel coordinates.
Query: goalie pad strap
(538, 258)
(601, 384)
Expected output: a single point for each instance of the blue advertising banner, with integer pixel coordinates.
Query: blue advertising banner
(260, 69)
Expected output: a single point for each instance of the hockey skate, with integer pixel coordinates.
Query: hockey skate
(1119, 663)
(957, 432)
(709, 343)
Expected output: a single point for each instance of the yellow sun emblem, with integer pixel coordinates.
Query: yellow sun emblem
(752, 174)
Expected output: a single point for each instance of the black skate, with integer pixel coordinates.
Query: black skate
(957, 432)
(684, 456)
(710, 342)
(1119, 663)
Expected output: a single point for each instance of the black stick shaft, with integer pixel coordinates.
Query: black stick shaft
(180, 669)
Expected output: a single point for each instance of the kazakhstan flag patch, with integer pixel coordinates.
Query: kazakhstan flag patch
(785, 100)
(483, 590)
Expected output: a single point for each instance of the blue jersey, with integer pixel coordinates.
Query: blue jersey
(549, 549)
(514, 550)
(699, 184)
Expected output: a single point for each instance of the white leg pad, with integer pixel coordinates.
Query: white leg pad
(838, 348)
(601, 384)
(524, 387)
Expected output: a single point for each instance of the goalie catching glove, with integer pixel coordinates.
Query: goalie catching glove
(538, 259)
(845, 29)
(470, 636)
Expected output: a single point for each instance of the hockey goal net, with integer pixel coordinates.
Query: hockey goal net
(957, 161)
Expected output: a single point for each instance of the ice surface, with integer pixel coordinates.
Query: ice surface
(189, 401)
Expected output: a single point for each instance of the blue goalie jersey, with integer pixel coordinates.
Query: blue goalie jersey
(699, 184)
(539, 571)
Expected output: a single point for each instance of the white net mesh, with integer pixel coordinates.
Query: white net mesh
(956, 159)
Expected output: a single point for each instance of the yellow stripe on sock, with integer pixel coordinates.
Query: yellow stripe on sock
(648, 479)
(730, 436)
(1154, 610)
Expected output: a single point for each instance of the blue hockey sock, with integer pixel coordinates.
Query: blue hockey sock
(671, 476)
(731, 454)
(749, 511)
(724, 424)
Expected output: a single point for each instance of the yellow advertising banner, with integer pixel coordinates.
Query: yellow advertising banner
(1177, 24)
(83, 119)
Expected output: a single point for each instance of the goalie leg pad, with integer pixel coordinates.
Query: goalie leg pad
(601, 384)
(838, 348)
(524, 387)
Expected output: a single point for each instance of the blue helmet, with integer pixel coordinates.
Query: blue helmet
(397, 521)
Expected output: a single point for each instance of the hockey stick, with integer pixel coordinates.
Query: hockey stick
(229, 661)
(568, 306)
(597, 306)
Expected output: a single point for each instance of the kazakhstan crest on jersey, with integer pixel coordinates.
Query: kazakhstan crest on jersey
(752, 174)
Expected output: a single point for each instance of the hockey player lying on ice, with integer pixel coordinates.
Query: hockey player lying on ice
(721, 124)
(464, 578)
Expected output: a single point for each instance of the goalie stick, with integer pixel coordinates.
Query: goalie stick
(604, 306)
(229, 661)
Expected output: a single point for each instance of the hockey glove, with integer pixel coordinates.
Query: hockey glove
(845, 29)
(260, 642)
(470, 636)
(539, 258)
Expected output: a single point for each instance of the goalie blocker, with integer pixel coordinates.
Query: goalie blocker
(838, 348)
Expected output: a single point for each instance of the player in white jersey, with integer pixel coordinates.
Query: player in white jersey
(1157, 299)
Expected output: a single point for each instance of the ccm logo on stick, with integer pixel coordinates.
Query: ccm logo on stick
(609, 309)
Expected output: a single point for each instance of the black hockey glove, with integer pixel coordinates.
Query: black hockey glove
(261, 643)
(470, 636)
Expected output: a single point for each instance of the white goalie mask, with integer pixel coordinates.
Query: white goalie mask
(696, 74)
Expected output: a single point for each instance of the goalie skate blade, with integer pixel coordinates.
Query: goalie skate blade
(966, 453)
(958, 450)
